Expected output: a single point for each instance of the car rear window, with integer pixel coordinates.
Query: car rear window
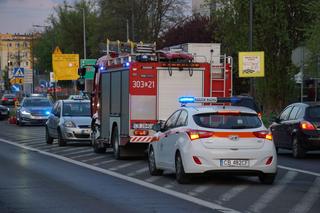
(227, 121)
(33, 102)
(9, 96)
(313, 112)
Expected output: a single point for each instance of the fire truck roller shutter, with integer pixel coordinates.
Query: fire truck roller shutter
(143, 107)
(180, 83)
(105, 105)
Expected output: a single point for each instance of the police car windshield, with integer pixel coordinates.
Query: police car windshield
(76, 109)
(227, 121)
(36, 102)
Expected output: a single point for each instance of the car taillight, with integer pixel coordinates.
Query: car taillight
(14, 99)
(4, 99)
(197, 134)
(141, 132)
(263, 134)
(306, 125)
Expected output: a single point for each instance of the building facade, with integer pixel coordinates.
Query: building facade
(15, 51)
(204, 7)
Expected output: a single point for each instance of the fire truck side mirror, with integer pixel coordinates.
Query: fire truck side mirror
(82, 71)
(81, 84)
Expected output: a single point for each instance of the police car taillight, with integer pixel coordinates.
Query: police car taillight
(263, 134)
(198, 134)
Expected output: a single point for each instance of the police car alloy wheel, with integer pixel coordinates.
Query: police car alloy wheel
(152, 164)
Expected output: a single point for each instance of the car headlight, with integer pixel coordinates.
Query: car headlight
(69, 124)
(25, 112)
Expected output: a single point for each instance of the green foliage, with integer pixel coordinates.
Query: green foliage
(277, 30)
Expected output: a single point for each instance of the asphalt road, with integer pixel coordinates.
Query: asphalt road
(36, 177)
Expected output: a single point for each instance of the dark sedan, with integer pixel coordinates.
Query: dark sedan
(8, 99)
(298, 128)
(4, 112)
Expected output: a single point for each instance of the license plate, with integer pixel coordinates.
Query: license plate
(4, 113)
(85, 131)
(234, 163)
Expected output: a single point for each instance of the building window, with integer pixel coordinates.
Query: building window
(27, 63)
(25, 44)
(10, 45)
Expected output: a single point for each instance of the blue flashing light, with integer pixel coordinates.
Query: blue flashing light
(47, 112)
(101, 68)
(127, 64)
(234, 99)
(185, 100)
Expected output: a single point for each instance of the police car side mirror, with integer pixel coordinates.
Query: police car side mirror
(156, 127)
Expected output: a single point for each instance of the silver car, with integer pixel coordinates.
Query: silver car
(69, 121)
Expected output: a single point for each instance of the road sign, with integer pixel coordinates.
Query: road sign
(65, 66)
(17, 81)
(89, 69)
(251, 64)
(18, 72)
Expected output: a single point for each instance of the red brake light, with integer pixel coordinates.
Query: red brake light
(14, 99)
(228, 112)
(141, 132)
(306, 125)
(197, 134)
(4, 99)
(263, 134)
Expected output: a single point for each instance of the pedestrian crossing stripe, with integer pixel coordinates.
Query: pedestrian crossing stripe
(18, 72)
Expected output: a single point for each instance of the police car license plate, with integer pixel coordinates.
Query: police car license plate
(234, 163)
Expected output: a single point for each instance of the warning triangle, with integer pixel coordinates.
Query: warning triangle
(57, 50)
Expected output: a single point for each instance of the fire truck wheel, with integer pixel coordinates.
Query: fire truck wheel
(152, 164)
(115, 144)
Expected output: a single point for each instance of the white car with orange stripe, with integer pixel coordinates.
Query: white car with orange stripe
(204, 139)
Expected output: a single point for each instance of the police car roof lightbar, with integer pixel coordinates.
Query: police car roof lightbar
(190, 99)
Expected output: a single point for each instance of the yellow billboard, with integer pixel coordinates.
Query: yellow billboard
(65, 66)
(251, 64)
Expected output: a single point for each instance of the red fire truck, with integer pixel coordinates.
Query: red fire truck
(134, 90)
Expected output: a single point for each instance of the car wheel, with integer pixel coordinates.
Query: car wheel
(49, 139)
(95, 144)
(267, 178)
(297, 149)
(181, 176)
(115, 144)
(152, 164)
(17, 122)
(61, 141)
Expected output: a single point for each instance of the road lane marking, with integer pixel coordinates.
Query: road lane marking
(145, 169)
(84, 155)
(299, 170)
(198, 190)
(78, 152)
(93, 159)
(74, 149)
(104, 162)
(308, 200)
(230, 194)
(170, 185)
(152, 179)
(272, 192)
(142, 183)
(124, 165)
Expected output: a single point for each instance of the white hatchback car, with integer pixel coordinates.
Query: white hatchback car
(204, 139)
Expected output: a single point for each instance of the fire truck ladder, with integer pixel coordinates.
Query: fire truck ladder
(220, 74)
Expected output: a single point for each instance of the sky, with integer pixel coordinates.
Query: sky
(18, 16)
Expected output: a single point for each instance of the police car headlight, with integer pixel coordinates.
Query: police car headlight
(69, 124)
(25, 112)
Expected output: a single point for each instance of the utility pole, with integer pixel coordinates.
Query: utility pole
(252, 90)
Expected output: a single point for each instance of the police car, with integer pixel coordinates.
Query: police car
(212, 138)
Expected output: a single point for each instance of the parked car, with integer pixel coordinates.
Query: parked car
(298, 128)
(33, 110)
(206, 139)
(70, 120)
(4, 112)
(8, 99)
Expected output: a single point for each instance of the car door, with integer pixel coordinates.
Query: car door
(56, 119)
(167, 142)
(278, 127)
(291, 126)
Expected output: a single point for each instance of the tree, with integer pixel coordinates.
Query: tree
(277, 30)
(197, 29)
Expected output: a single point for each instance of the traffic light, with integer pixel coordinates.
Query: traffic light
(82, 71)
(81, 84)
